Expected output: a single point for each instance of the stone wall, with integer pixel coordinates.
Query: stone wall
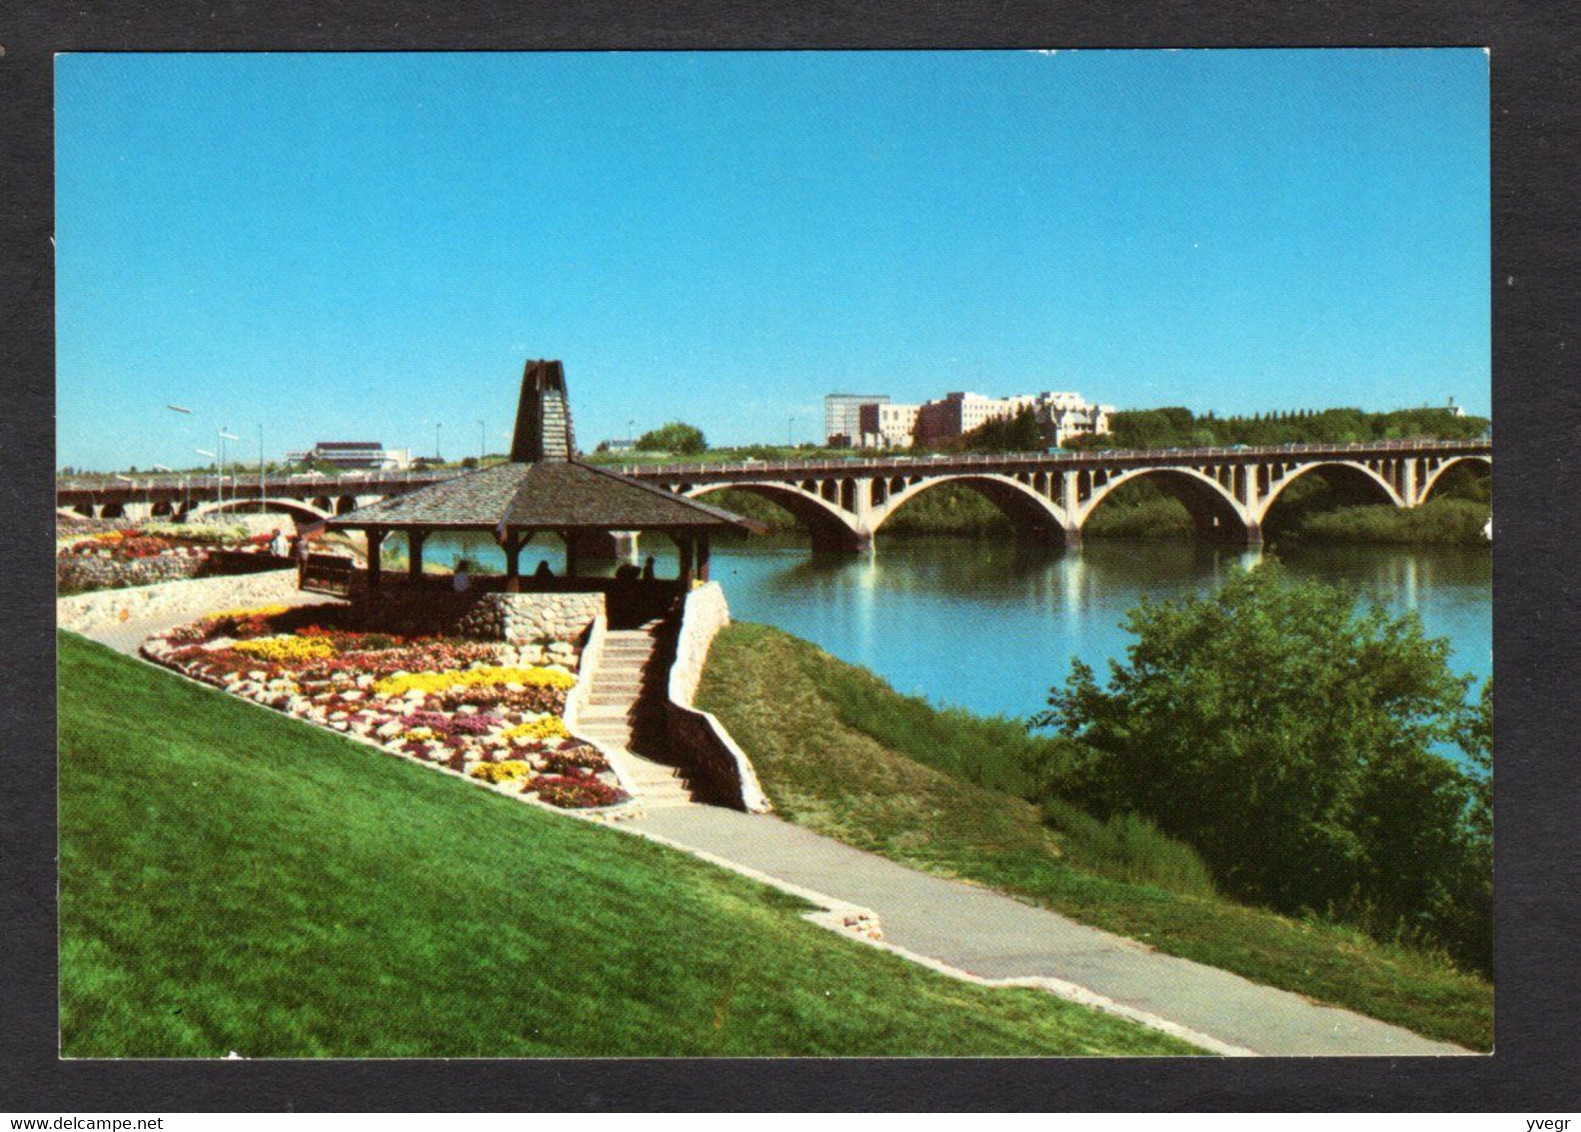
(704, 613)
(526, 619)
(75, 573)
(178, 600)
(697, 739)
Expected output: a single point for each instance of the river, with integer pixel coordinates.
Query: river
(990, 626)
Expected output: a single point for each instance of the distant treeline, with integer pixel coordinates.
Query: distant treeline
(1181, 428)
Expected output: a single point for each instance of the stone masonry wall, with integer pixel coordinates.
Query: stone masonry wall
(545, 619)
(178, 600)
(75, 573)
(698, 740)
(706, 612)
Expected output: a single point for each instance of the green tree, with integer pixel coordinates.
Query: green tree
(677, 437)
(1288, 737)
(1018, 433)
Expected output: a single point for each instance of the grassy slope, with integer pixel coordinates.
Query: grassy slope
(234, 879)
(823, 768)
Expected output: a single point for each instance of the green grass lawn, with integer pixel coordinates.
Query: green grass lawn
(840, 752)
(235, 879)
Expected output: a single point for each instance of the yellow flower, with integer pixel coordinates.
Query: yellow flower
(552, 677)
(256, 611)
(541, 727)
(286, 649)
(508, 770)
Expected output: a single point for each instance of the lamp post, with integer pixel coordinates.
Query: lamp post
(179, 409)
(482, 444)
(211, 456)
(438, 458)
(225, 435)
(260, 469)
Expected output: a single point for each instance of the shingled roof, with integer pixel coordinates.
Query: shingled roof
(543, 487)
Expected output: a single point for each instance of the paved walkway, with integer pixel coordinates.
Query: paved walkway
(995, 937)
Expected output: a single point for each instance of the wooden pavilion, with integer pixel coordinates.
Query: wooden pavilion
(543, 487)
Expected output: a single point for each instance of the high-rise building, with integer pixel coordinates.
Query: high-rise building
(842, 423)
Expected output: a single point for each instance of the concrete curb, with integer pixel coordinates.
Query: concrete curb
(863, 925)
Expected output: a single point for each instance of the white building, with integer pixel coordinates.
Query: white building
(887, 425)
(1063, 417)
(842, 412)
(355, 454)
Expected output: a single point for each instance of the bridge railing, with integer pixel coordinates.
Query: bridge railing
(897, 463)
(369, 483)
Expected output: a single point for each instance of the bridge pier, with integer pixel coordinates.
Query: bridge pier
(827, 539)
(1060, 538)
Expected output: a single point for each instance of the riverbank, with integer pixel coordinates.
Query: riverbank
(839, 751)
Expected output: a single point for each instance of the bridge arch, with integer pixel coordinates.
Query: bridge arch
(1347, 476)
(293, 507)
(1437, 474)
(1036, 517)
(830, 527)
(1214, 512)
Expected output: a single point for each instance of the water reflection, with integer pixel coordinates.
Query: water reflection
(992, 625)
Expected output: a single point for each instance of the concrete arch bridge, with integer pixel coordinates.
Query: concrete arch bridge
(1049, 497)
(843, 503)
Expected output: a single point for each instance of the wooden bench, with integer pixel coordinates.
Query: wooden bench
(326, 574)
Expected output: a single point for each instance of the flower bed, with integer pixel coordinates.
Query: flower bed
(472, 707)
(155, 540)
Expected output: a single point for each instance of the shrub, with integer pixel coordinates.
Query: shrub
(1289, 739)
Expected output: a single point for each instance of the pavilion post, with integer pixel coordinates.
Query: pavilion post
(375, 539)
(512, 545)
(571, 563)
(685, 544)
(702, 556)
(414, 554)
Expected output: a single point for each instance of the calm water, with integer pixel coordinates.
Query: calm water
(990, 626)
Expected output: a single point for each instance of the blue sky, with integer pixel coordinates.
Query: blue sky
(348, 246)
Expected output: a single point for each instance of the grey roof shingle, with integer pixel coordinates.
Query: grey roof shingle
(558, 495)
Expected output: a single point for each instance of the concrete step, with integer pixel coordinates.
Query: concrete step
(631, 689)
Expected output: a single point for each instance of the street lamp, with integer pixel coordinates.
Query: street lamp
(210, 455)
(224, 436)
(179, 409)
(438, 458)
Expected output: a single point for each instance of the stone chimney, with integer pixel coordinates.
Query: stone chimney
(543, 416)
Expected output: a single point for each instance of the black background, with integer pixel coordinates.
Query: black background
(1535, 99)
